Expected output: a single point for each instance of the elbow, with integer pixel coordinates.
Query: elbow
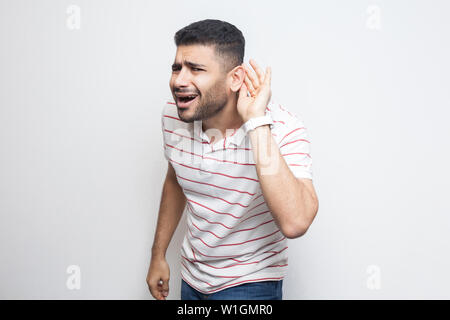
(298, 227)
(293, 231)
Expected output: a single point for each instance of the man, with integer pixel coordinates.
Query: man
(240, 162)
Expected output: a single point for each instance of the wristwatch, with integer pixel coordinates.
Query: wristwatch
(253, 123)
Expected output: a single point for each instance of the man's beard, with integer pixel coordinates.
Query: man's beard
(210, 104)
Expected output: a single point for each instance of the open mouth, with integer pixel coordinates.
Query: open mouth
(184, 102)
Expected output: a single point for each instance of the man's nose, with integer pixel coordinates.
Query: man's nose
(183, 78)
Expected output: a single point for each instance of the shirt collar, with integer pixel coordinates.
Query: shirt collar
(236, 137)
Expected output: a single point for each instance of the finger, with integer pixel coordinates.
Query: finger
(243, 91)
(252, 76)
(155, 293)
(268, 76)
(161, 295)
(250, 86)
(165, 288)
(258, 70)
(156, 289)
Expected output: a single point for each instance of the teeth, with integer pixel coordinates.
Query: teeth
(187, 97)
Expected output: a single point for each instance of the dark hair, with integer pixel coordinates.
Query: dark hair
(228, 41)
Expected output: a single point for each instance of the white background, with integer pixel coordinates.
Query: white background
(82, 166)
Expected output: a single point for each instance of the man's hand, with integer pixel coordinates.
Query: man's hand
(158, 278)
(259, 87)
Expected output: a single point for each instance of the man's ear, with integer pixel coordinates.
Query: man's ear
(237, 78)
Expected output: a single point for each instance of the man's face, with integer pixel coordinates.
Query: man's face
(198, 84)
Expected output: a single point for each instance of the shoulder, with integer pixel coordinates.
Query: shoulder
(281, 114)
(169, 108)
(284, 120)
(170, 118)
(174, 130)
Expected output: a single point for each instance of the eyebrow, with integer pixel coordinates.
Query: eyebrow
(190, 64)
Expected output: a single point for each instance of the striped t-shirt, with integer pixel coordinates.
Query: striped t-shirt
(231, 235)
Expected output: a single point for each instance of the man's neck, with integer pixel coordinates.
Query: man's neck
(228, 118)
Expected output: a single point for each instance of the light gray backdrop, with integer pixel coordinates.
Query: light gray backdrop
(82, 85)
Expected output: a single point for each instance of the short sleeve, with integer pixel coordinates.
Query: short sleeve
(295, 147)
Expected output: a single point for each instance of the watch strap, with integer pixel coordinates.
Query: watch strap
(253, 123)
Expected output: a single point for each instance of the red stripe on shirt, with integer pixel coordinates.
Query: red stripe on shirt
(288, 154)
(194, 276)
(213, 222)
(218, 212)
(201, 156)
(171, 117)
(234, 148)
(233, 265)
(208, 195)
(256, 198)
(293, 142)
(173, 132)
(255, 206)
(231, 244)
(270, 251)
(233, 256)
(291, 132)
(208, 220)
(285, 110)
(241, 230)
(222, 174)
(255, 215)
(213, 185)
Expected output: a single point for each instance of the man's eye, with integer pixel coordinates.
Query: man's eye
(194, 69)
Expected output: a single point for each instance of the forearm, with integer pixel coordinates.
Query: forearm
(171, 209)
(288, 199)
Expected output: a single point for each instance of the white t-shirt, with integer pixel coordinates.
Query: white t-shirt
(231, 235)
